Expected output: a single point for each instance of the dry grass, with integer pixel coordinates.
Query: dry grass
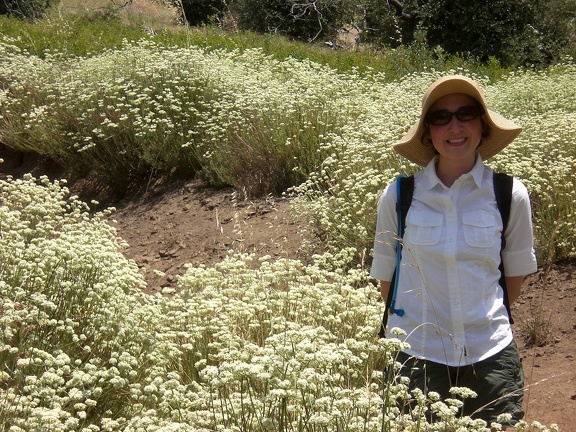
(150, 14)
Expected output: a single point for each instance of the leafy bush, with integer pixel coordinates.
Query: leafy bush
(29, 9)
(503, 29)
(199, 12)
(386, 25)
(516, 32)
(304, 20)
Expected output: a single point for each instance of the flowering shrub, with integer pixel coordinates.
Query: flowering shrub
(343, 193)
(73, 346)
(251, 344)
(231, 115)
(265, 125)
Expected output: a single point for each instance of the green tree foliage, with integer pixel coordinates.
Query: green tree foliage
(558, 25)
(300, 19)
(199, 12)
(515, 32)
(29, 9)
(387, 23)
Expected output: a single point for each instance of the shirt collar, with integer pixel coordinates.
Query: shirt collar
(430, 179)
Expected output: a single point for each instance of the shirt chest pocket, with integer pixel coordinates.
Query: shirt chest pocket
(479, 229)
(423, 228)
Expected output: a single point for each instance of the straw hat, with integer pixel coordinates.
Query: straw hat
(502, 131)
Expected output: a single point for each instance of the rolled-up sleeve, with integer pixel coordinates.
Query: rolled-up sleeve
(518, 256)
(385, 239)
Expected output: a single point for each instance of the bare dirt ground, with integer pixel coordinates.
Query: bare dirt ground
(171, 222)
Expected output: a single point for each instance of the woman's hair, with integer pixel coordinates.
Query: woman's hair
(427, 141)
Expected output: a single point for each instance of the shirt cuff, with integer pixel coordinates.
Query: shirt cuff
(383, 267)
(519, 263)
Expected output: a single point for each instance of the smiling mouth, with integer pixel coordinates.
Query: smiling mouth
(456, 141)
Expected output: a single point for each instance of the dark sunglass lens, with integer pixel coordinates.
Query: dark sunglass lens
(440, 117)
(467, 113)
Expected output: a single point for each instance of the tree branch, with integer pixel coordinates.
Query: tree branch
(299, 10)
(400, 10)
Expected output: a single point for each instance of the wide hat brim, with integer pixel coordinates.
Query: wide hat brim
(502, 130)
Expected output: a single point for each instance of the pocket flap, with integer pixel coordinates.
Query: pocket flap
(425, 219)
(481, 219)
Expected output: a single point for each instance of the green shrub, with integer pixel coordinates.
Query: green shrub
(517, 32)
(302, 20)
(383, 25)
(504, 29)
(198, 12)
(26, 9)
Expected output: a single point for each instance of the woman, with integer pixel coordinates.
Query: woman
(448, 288)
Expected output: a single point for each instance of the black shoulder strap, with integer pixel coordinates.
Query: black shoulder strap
(402, 205)
(503, 191)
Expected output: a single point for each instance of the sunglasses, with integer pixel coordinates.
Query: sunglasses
(464, 114)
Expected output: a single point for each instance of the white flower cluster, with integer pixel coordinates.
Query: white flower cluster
(251, 344)
(343, 193)
(543, 155)
(68, 348)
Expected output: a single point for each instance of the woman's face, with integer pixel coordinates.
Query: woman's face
(458, 139)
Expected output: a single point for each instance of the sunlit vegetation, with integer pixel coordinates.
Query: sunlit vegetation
(252, 344)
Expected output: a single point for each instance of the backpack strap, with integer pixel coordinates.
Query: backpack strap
(503, 184)
(405, 201)
(405, 191)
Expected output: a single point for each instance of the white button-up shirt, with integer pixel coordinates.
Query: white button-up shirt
(449, 288)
